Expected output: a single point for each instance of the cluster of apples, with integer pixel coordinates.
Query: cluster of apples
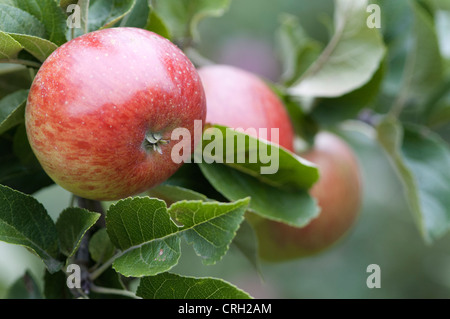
(102, 107)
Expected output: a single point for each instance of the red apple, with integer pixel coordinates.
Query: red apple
(102, 107)
(338, 193)
(239, 99)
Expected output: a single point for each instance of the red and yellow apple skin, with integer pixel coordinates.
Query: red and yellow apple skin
(338, 193)
(94, 101)
(239, 99)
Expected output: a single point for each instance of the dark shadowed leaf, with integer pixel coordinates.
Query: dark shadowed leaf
(330, 111)
(101, 247)
(13, 77)
(19, 167)
(138, 16)
(247, 243)
(12, 110)
(172, 286)
(24, 288)
(24, 221)
(55, 286)
(71, 225)
(423, 68)
(422, 160)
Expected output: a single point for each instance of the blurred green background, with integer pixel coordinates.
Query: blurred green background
(384, 234)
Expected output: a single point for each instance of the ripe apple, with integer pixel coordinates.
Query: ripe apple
(239, 99)
(338, 193)
(102, 107)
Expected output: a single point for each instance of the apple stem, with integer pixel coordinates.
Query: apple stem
(112, 291)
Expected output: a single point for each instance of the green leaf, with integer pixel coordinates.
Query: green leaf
(259, 158)
(38, 47)
(296, 208)
(24, 221)
(150, 240)
(9, 48)
(19, 167)
(330, 111)
(208, 226)
(422, 160)
(132, 222)
(23, 178)
(157, 25)
(106, 13)
(304, 124)
(297, 51)
(397, 23)
(138, 16)
(24, 288)
(349, 60)
(171, 194)
(100, 246)
(153, 257)
(55, 286)
(182, 17)
(15, 20)
(189, 176)
(12, 110)
(13, 77)
(246, 242)
(49, 14)
(71, 225)
(172, 286)
(423, 69)
(22, 149)
(281, 195)
(440, 115)
(141, 228)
